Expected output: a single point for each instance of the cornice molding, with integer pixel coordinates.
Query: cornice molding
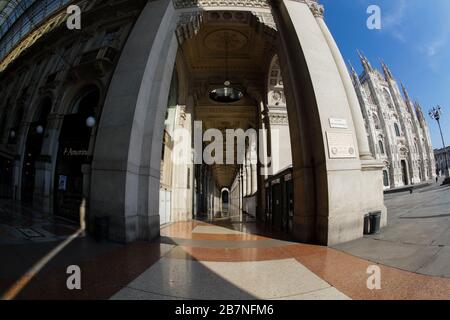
(182, 4)
(316, 8)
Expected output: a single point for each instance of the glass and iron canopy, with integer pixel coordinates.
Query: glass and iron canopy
(19, 17)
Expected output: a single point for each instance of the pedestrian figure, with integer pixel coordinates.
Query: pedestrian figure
(437, 179)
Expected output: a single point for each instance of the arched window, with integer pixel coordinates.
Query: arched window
(388, 98)
(385, 178)
(397, 130)
(86, 102)
(381, 145)
(416, 146)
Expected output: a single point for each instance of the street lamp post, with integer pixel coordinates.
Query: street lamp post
(435, 113)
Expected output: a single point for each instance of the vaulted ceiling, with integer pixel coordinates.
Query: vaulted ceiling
(231, 46)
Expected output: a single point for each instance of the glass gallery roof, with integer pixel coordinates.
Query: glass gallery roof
(19, 17)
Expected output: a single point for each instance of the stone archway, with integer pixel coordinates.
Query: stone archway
(225, 201)
(329, 146)
(71, 179)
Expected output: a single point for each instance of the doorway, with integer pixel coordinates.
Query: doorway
(164, 206)
(404, 173)
(225, 203)
(73, 153)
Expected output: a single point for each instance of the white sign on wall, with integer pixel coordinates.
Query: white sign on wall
(341, 145)
(338, 123)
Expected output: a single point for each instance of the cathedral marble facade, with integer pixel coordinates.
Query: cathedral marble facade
(397, 131)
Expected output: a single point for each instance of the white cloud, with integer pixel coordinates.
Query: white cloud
(433, 48)
(394, 17)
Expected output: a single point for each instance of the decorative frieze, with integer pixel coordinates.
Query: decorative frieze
(189, 23)
(181, 4)
(316, 8)
(278, 119)
(188, 26)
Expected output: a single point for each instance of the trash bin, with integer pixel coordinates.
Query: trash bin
(101, 228)
(375, 222)
(367, 224)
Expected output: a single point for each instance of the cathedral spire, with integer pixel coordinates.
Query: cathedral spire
(365, 62)
(419, 111)
(386, 70)
(351, 67)
(409, 103)
(405, 92)
(353, 73)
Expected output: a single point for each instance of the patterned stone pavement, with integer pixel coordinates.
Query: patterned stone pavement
(20, 225)
(198, 260)
(417, 237)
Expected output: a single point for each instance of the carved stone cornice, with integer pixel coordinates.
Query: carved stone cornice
(188, 26)
(278, 119)
(190, 23)
(316, 8)
(181, 4)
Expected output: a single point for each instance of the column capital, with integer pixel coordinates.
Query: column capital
(316, 8)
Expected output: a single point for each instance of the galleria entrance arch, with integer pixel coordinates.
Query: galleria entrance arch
(330, 154)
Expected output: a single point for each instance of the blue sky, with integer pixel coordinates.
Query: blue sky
(414, 41)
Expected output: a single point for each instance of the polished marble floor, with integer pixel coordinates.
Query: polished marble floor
(199, 260)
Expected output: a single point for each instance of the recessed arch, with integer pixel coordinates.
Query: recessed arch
(128, 150)
(75, 144)
(376, 121)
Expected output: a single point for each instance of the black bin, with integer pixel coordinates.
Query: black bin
(367, 224)
(375, 222)
(101, 228)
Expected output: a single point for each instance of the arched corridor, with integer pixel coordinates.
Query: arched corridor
(239, 113)
(200, 149)
(154, 115)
